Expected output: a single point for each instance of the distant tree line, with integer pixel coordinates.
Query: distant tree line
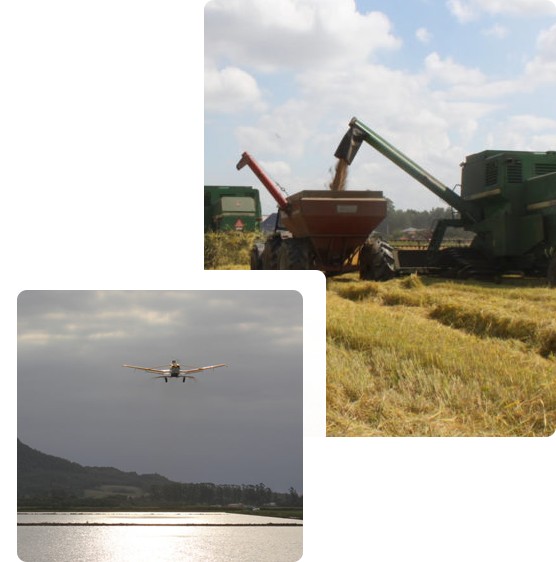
(215, 494)
(168, 495)
(398, 220)
(60, 499)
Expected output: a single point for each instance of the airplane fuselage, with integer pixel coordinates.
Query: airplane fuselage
(174, 372)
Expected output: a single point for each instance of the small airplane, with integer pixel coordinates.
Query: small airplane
(174, 371)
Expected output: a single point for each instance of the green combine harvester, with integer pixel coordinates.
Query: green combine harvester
(508, 200)
(232, 208)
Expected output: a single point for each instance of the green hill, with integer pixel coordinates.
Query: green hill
(39, 474)
(46, 482)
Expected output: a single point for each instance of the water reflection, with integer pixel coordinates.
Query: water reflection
(152, 544)
(150, 518)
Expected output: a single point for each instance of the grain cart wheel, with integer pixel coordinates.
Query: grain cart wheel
(376, 261)
(552, 272)
(269, 256)
(296, 253)
(256, 261)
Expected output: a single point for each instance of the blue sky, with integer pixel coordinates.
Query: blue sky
(440, 79)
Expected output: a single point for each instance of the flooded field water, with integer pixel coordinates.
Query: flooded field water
(138, 537)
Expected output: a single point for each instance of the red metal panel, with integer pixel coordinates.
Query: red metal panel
(337, 223)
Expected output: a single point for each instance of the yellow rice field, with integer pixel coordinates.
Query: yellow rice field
(431, 357)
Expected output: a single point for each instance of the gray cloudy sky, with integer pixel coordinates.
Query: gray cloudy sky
(239, 424)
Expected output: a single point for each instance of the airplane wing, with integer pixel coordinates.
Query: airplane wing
(148, 369)
(196, 370)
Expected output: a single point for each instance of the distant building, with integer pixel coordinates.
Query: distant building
(415, 233)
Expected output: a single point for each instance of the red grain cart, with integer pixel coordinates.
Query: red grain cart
(321, 229)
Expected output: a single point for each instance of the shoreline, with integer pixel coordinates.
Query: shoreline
(88, 524)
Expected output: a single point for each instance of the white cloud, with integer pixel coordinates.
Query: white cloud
(270, 36)
(434, 116)
(468, 10)
(283, 131)
(524, 132)
(542, 68)
(497, 31)
(463, 11)
(230, 90)
(423, 35)
(277, 169)
(463, 83)
(406, 108)
(450, 72)
(532, 123)
(546, 43)
(292, 35)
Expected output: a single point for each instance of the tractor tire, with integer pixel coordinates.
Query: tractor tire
(269, 256)
(376, 261)
(551, 273)
(296, 253)
(255, 259)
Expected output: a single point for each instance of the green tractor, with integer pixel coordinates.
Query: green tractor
(232, 208)
(508, 200)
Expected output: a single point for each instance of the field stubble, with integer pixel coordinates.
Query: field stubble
(419, 356)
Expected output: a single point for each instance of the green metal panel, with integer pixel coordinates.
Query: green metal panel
(515, 190)
(531, 233)
(237, 204)
(541, 193)
(232, 208)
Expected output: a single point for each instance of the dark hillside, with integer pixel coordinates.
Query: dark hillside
(52, 483)
(40, 474)
(30, 460)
